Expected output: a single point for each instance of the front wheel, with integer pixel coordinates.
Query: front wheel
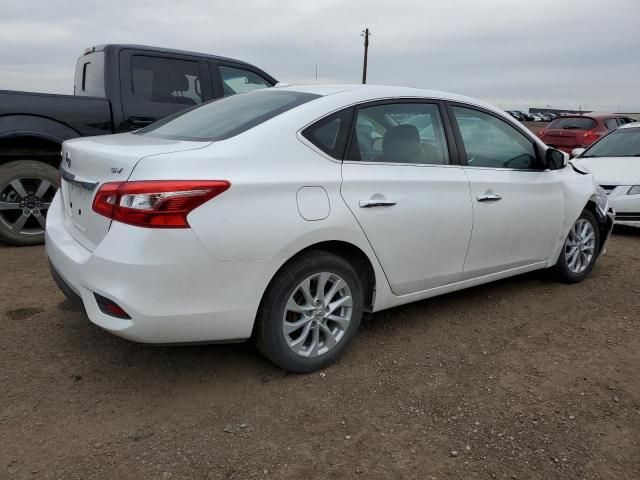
(27, 188)
(580, 249)
(310, 312)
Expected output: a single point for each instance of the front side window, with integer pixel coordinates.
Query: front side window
(226, 117)
(492, 142)
(165, 80)
(399, 133)
(237, 80)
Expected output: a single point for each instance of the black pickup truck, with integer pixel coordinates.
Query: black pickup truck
(117, 88)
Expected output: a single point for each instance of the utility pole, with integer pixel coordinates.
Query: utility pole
(365, 33)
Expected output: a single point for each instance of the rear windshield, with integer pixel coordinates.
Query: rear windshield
(226, 117)
(624, 142)
(573, 123)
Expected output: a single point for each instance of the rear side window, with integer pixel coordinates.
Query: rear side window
(89, 80)
(238, 80)
(165, 80)
(573, 123)
(331, 133)
(226, 117)
(611, 123)
(403, 132)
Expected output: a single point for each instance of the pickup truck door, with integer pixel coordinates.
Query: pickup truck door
(154, 85)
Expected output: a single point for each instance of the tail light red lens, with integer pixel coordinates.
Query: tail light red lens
(590, 136)
(155, 203)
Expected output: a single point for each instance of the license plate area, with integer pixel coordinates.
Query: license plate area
(78, 203)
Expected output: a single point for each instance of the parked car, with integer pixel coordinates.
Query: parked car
(515, 115)
(117, 88)
(579, 131)
(544, 117)
(526, 116)
(614, 161)
(552, 116)
(285, 213)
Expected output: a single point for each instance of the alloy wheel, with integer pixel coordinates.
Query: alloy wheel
(24, 203)
(317, 314)
(579, 248)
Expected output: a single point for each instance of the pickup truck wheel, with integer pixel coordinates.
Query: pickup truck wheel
(27, 188)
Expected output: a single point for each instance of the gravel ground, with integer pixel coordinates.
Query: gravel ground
(524, 378)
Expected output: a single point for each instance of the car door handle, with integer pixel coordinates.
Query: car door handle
(489, 197)
(375, 202)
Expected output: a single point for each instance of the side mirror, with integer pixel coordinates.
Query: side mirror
(577, 151)
(555, 159)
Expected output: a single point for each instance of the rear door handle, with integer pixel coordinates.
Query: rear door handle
(374, 202)
(489, 197)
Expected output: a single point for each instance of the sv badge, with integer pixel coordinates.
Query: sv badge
(116, 170)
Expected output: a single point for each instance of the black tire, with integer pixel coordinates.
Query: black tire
(269, 336)
(562, 270)
(30, 174)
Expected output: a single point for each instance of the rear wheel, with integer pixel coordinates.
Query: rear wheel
(27, 188)
(310, 312)
(580, 249)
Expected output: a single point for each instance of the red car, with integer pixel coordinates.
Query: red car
(579, 131)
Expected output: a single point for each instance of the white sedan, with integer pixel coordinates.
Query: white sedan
(284, 214)
(615, 163)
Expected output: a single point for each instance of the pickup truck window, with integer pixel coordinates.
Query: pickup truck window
(227, 117)
(89, 80)
(165, 80)
(237, 80)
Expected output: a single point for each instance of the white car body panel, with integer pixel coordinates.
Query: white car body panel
(205, 283)
(422, 240)
(520, 229)
(621, 173)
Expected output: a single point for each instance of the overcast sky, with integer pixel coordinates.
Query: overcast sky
(513, 53)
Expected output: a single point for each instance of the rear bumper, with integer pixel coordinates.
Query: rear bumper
(171, 288)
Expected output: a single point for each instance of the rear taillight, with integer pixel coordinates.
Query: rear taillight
(155, 203)
(589, 137)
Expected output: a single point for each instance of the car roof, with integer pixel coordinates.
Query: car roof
(122, 46)
(373, 92)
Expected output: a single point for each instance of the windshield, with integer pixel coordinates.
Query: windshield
(624, 142)
(227, 117)
(572, 123)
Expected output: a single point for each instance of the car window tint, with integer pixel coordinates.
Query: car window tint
(611, 123)
(399, 133)
(237, 80)
(165, 80)
(573, 123)
(226, 117)
(330, 133)
(492, 142)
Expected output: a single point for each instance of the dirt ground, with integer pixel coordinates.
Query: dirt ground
(524, 378)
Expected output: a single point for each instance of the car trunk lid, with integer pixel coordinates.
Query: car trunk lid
(88, 163)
